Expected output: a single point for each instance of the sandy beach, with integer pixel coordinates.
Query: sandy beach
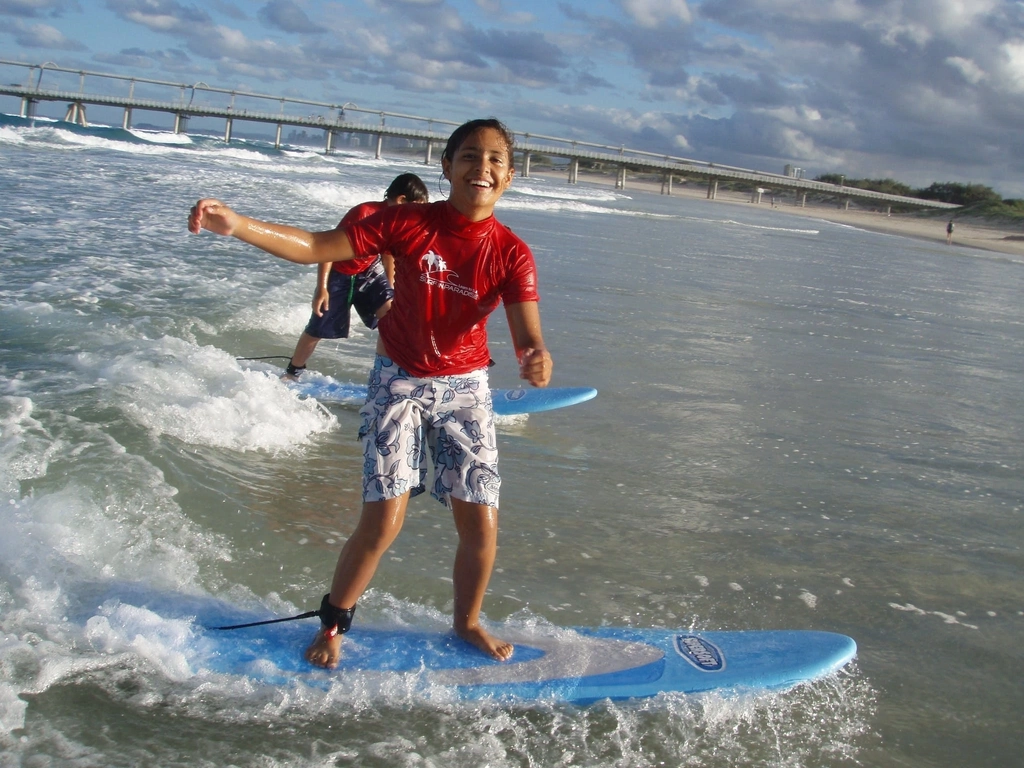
(968, 233)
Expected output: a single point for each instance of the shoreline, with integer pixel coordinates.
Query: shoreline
(968, 233)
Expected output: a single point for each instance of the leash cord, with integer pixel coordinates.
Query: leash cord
(306, 615)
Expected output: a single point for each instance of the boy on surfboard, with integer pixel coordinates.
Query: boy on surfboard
(361, 283)
(454, 263)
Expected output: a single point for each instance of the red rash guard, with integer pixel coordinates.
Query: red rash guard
(450, 274)
(361, 211)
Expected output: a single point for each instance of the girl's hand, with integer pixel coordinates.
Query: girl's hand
(535, 365)
(212, 215)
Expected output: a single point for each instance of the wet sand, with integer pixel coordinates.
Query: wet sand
(968, 232)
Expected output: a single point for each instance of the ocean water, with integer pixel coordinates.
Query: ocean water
(800, 425)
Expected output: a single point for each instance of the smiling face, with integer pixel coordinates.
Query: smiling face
(480, 170)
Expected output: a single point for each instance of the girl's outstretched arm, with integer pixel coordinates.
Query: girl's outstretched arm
(535, 364)
(289, 243)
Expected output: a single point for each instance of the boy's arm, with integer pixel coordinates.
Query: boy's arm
(535, 364)
(289, 243)
(389, 267)
(321, 296)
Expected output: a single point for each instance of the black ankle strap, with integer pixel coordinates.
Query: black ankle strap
(338, 619)
(294, 370)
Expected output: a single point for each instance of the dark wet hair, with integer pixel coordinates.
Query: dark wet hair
(410, 186)
(466, 130)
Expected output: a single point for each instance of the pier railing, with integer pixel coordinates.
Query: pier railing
(202, 101)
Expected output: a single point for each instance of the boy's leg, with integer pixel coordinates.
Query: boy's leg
(332, 324)
(477, 526)
(378, 526)
(303, 349)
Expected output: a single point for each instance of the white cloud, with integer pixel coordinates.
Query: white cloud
(826, 83)
(952, 16)
(680, 141)
(34, 8)
(43, 36)
(1013, 64)
(653, 13)
(160, 22)
(971, 72)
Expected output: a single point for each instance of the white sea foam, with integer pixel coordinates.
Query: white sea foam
(562, 191)
(67, 534)
(201, 396)
(808, 598)
(560, 205)
(11, 135)
(764, 227)
(167, 644)
(161, 137)
(341, 196)
(92, 141)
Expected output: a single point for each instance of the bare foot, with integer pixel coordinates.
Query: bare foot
(324, 651)
(492, 646)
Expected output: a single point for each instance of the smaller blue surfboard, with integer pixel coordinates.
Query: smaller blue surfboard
(579, 665)
(510, 402)
(507, 402)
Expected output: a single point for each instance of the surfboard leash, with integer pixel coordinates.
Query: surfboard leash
(336, 621)
(306, 615)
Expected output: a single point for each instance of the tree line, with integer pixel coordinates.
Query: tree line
(977, 197)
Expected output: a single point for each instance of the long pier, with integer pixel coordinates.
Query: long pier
(190, 101)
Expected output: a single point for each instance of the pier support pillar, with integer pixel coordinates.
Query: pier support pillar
(802, 200)
(666, 184)
(76, 114)
(526, 165)
(574, 170)
(846, 204)
(227, 131)
(620, 178)
(430, 149)
(126, 121)
(755, 196)
(712, 189)
(380, 145)
(28, 107)
(330, 141)
(277, 137)
(180, 123)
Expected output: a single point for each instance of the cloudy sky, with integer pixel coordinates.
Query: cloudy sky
(916, 90)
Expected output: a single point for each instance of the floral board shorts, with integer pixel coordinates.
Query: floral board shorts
(405, 415)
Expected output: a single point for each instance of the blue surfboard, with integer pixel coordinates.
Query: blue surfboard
(507, 402)
(578, 665)
(510, 402)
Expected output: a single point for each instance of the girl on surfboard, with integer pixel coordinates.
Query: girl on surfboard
(454, 263)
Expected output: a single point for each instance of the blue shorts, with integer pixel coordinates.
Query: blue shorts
(367, 292)
(451, 415)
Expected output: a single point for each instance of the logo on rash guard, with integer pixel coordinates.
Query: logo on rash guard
(434, 262)
(436, 273)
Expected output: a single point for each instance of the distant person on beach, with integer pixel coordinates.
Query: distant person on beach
(454, 263)
(949, 233)
(361, 283)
